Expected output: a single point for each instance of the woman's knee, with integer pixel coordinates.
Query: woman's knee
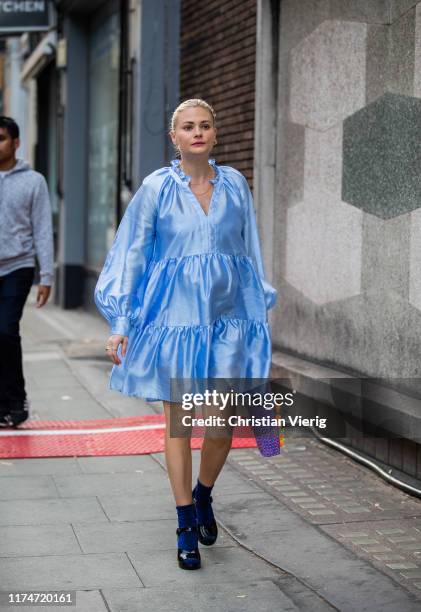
(218, 436)
(175, 423)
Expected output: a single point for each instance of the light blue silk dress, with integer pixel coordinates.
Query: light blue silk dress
(186, 287)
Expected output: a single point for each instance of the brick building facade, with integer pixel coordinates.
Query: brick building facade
(218, 64)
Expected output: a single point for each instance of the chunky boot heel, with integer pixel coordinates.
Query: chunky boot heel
(188, 559)
(207, 532)
(206, 524)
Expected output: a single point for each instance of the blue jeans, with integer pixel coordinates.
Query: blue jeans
(14, 290)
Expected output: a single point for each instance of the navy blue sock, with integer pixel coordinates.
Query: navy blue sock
(202, 495)
(187, 518)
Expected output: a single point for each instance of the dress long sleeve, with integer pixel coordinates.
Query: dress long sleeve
(116, 289)
(251, 239)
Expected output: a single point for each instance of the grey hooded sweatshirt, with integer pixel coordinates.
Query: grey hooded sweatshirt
(25, 222)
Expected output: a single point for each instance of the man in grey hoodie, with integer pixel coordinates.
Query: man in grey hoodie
(25, 234)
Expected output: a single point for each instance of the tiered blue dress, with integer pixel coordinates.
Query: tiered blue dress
(186, 287)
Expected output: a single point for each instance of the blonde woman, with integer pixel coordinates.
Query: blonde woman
(184, 291)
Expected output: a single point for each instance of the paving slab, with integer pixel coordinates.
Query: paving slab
(46, 394)
(51, 511)
(68, 410)
(37, 367)
(151, 535)
(27, 487)
(128, 508)
(126, 406)
(112, 465)
(63, 382)
(68, 572)
(136, 484)
(39, 467)
(219, 565)
(264, 596)
(36, 540)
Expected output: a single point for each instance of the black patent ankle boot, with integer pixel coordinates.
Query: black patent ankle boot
(188, 559)
(207, 532)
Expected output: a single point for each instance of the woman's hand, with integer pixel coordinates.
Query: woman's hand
(113, 343)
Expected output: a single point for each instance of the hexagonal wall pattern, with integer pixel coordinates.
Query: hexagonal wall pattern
(323, 249)
(382, 156)
(399, 7)
(323, 162)
(327, 74)
(417, 54)
(415, 260)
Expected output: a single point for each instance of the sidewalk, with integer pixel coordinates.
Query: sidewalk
(308, 530)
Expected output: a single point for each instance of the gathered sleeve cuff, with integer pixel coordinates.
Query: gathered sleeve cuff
(116, 291)
(252, 244)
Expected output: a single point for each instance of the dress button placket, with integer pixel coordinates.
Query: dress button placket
(211, 226)
(211, 231)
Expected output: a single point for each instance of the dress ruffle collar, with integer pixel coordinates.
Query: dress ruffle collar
(186, 178)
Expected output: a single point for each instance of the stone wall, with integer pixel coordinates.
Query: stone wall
(347, 237)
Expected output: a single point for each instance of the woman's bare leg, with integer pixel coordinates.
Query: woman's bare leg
(179, 461)
(212, 459)
(215, 448)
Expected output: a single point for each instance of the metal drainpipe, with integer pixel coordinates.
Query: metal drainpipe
(401, 484)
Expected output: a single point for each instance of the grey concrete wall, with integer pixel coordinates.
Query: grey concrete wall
(264, 170)
(75, 140)
(17, 99)
(347, 234)
(71, 254)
